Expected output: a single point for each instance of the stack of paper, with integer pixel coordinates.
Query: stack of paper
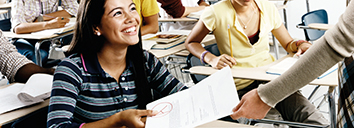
(285, 64)
(211, 99)
(36, 89)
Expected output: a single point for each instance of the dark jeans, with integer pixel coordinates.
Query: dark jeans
(27, 48)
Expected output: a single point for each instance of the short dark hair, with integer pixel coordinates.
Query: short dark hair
(86, 42)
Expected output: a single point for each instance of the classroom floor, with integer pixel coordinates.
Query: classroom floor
(319, 99)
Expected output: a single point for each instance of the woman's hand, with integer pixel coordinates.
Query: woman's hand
(303, 48)
(132, 118)
(222, 61)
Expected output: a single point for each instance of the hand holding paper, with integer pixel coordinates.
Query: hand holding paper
(210, 99)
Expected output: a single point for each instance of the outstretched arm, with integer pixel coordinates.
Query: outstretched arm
(336, 44)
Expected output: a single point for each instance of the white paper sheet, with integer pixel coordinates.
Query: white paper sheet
(210, 99)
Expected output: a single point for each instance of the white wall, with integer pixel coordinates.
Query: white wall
(296, 8)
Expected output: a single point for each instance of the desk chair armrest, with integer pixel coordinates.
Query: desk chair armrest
(185, 69)
(300, 26)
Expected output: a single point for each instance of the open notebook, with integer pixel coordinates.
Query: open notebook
(35, 90)
(68, 27)
(285, 64)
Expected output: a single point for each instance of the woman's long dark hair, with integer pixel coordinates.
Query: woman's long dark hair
(86, 42)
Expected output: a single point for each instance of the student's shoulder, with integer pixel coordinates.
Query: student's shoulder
(73, 59)
(265, 4)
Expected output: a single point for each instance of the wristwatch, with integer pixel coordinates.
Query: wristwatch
(40, 18)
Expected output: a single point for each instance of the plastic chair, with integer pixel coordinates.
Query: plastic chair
(195, 61)
(317, 16)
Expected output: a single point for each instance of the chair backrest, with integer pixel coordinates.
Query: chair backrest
(317, 16)
(5, 25)
(195, 61)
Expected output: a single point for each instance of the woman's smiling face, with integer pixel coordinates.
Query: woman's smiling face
(120, 22)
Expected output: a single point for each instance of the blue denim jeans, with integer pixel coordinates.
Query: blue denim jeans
(27, 48)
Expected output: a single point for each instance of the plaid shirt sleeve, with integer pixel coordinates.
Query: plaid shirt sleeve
(18, 13)
(70, 6)
(10, 59)
(346, 94)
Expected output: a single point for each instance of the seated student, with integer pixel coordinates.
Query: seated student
(187, 7)
(16, 67)
(148, 11)
(34, 15)
(250, 22)
(108, 76)
(327, 51)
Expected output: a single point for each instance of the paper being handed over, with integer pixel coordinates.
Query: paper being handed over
(211, 99)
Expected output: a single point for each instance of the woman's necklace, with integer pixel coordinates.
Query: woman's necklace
(245, 25)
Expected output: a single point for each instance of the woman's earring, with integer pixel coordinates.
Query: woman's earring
(98, 33)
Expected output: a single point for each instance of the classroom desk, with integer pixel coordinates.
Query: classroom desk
(3, 11)
(209, 39)
(320, 26)
(5, 7)
(11, 116)
(224, 124)
(40, 38)
(177, 19)
(259, 73)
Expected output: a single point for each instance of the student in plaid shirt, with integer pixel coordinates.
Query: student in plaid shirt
(336, 44)
(16, 67)
(35, 15)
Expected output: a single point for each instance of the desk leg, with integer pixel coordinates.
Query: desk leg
(276, 48)
(38, 53)
(332, 107)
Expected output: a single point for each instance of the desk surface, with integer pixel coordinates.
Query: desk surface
(18, 113)
(259, 73)
(5, 6)
(320, 26)
(33, 36)
(3, 11)
(177, 19)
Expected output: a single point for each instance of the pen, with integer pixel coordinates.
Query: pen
(228, 30)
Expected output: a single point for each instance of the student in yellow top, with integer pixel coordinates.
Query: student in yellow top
(250, 21)
(148, 11)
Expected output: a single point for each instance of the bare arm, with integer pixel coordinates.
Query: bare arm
(189, 10)
(285, 40)
(56, 22)
(130, 118)
(27, 70)
(151, 25)
(61, 13)
(203, 4)
(193, 45)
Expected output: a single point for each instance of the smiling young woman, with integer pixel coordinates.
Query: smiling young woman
(108, 76)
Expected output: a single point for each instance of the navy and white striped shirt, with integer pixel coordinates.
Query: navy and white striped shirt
(84, 92)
